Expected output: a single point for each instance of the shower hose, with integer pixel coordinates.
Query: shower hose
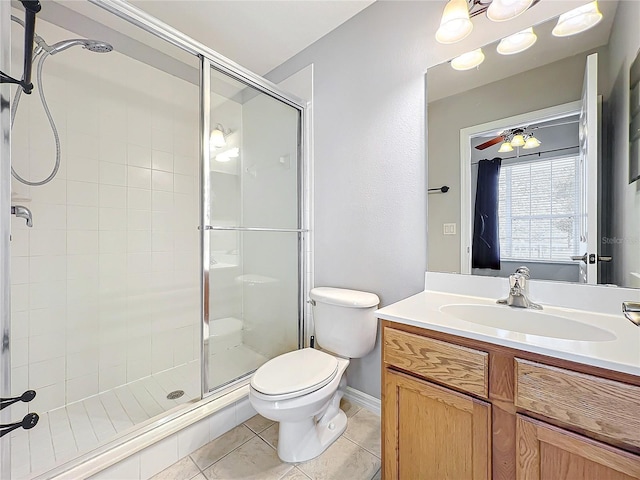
(14, 108)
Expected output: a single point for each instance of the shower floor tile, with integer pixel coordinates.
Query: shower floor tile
(63, 433)
(254, 456)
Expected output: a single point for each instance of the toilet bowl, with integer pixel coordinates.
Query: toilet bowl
(302, 389)
(310, 416)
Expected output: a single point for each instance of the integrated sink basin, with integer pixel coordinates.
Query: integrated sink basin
(530, 322)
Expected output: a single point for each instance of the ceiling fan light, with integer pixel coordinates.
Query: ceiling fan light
(505, 147)
(532, 142)
(517, 140)
(503, 10)
(518, 42)
(468, 60)
(455, 23)
(578, 20)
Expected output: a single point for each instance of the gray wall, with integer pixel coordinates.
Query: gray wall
(370, 202)
(369, 137)
(528, 91)
(623, 46)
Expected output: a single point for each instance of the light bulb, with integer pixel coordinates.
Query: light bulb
(468, 60)
(518, 42)
(517, 140)
(502, 10)
(577, 20)
(505, 147)
(455, 23)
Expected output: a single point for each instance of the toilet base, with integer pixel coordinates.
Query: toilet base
(302, 441)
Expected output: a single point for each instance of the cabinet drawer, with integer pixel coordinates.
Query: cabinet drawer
(458, 367)
(604, 407)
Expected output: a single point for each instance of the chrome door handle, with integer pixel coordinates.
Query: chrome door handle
(631, 310)
(583, 258)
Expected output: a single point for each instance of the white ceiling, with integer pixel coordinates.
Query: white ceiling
(257, 34)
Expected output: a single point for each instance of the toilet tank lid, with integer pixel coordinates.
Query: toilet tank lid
(344, 297)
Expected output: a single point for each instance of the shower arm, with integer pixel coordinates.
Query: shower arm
(31, 8)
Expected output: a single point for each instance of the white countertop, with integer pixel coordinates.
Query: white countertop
(621, 354)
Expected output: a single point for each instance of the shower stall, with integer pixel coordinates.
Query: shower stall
(154, 230)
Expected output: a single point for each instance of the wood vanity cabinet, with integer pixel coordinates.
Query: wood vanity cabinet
(455, 409)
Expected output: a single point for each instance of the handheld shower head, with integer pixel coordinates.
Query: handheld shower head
(98, 47)
(91, 45)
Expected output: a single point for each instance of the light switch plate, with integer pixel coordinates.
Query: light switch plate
(449, 228)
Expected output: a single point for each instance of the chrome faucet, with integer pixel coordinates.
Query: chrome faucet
(631, 311)
(22, 212)
(519, 290)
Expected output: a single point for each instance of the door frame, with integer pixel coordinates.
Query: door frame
(466, 202)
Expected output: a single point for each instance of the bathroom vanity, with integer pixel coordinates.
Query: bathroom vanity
(465, 400)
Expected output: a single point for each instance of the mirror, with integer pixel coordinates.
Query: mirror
(547, 205)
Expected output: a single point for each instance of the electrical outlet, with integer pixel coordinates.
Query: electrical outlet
(449, 228)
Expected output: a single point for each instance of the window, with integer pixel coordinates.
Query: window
(539, 209)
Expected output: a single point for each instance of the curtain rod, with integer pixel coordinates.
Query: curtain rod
(536, 153)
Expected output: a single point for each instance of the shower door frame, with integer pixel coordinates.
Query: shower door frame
(5, 232)
(208, 59)
(211, 59)
(206, 226)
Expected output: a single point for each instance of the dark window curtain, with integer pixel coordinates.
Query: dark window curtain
(485, 251)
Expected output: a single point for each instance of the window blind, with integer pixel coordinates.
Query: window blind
(539, 209)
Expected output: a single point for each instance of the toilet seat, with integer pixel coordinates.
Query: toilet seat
(294, 374)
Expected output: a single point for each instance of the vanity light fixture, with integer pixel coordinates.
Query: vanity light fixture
(578, 20)
(531, 142)
(505, 147)
(217, 139)
(503, 10)
(455, 23)
(468, 60)
(518, 42)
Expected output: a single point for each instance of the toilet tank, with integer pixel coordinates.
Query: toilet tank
(344, 320)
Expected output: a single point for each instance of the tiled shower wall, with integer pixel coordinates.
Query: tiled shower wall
(105, 285)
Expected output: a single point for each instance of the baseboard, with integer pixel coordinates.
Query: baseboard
(363, 399)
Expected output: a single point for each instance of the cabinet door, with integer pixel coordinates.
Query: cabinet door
(431, 432)
(550, 453)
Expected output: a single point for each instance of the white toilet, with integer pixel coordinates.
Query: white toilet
(302, 389)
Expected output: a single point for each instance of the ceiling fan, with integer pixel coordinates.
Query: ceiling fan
(501, 137)
(509, 133)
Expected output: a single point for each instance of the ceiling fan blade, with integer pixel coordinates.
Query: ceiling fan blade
(490, 143)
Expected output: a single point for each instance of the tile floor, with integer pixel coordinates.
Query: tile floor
(248, 452)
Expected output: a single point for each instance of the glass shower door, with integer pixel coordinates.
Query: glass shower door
(253, 233)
